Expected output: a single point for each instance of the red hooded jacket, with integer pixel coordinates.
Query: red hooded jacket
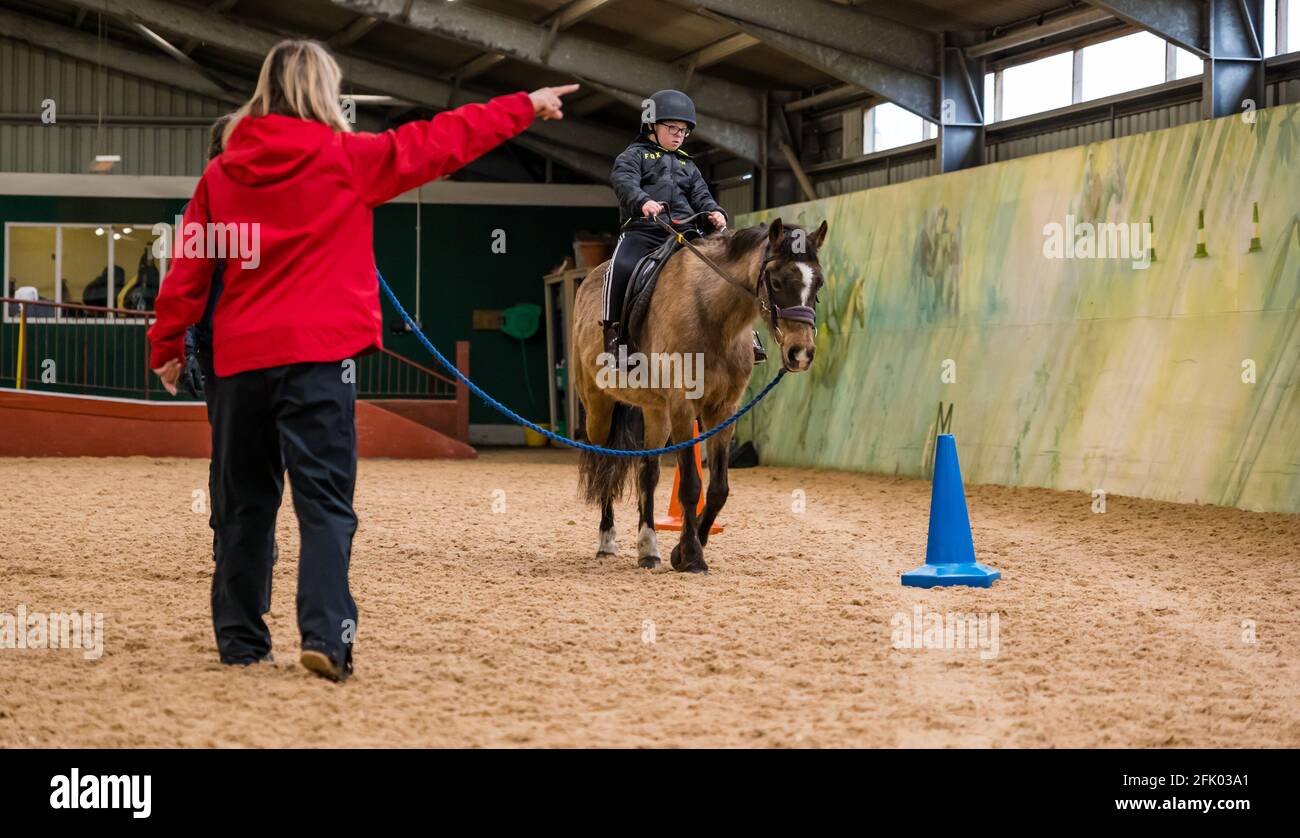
(302, 194)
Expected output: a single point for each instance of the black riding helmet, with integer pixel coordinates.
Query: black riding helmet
(672, 105)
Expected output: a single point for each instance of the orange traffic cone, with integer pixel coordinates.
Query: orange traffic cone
(673, 520)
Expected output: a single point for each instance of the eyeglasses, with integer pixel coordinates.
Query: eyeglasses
(675, 130)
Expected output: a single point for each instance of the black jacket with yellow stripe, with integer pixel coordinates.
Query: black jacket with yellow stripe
(647, 171)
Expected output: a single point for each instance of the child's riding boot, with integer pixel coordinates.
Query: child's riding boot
(611, 340)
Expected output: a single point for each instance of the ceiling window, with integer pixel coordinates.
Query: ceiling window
(1270, 27)
(1292, 31)
(1041, 85)
(1186, 64)
(889, 126)
(1122, 64)
(1119, 65)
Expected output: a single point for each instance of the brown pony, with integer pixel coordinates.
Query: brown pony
(693, 360)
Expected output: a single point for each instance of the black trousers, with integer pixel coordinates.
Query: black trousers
(301, 417)
(634, 243)
(203, 355)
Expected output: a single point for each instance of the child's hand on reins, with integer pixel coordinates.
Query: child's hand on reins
(652, 208)
(719, 220)
(546, 101)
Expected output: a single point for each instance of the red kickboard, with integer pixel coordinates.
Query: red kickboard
(58, 425)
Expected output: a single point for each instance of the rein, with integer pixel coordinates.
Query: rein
(768, 306)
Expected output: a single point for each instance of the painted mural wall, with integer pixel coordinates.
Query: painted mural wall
(1008, 305)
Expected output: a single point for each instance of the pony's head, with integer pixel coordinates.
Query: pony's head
(788, 283)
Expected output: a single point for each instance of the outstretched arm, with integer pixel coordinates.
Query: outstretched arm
(413, 154)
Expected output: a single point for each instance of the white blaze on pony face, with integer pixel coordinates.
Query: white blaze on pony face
(809, 276)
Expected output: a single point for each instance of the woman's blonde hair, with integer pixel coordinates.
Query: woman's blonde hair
(299, 78)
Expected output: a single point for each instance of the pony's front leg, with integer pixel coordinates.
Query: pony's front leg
(656, 434)
(647, 545)
(719, 459)
(608, 545)
(688, 555)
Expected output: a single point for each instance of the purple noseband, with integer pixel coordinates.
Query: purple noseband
(801, 314)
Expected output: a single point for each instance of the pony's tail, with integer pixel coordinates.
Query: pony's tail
(601, 477)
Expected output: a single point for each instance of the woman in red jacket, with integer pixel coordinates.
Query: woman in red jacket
(288, 206)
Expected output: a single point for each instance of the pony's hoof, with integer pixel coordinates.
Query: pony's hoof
(605, 554)
(649, 562)
(695, 565)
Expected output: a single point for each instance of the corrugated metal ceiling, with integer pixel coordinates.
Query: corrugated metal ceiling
(961, 15)
(661, 29)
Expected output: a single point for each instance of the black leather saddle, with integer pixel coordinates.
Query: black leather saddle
(641, 286)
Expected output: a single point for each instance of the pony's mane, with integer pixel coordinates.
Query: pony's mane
(742, 242)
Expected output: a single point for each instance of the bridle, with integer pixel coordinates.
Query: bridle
(799, 314)
(766, 301)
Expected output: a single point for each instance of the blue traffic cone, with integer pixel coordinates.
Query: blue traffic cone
(949, 550)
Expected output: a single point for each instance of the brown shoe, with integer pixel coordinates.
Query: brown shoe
(322, 665)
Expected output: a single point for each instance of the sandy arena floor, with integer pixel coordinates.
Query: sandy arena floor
(483, 628)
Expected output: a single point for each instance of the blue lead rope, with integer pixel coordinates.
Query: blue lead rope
(515, 417)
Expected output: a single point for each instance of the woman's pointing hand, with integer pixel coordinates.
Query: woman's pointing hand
(546, 101)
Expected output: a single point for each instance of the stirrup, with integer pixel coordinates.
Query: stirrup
(760, 354)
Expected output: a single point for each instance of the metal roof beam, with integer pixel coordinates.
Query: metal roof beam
(914, 92)
(254, 42)
(892, 60)
(353, 32)
(1180, 21)
(583, 162)
(62, 39)
(1062, 25)
(849, 30)
(563, 18)
(735, 111)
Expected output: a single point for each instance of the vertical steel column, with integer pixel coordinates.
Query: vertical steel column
(961, 106)
(1234, 72)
